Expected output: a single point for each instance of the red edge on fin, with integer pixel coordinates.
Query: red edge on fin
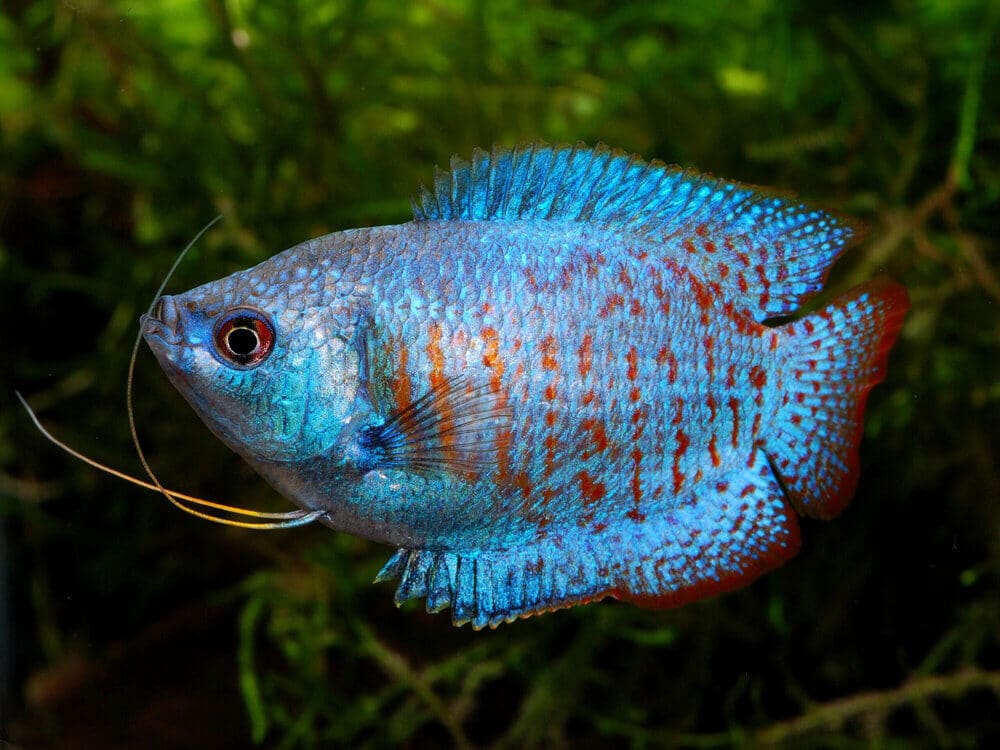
(730, 580)
(754, 568)
(897, 303)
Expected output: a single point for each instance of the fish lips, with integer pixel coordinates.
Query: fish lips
(163, 329)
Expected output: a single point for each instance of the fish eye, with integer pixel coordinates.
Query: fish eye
(244, 338)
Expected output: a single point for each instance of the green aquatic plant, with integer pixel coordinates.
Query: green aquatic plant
(125, 126)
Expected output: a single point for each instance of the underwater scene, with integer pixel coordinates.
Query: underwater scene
(499, 375)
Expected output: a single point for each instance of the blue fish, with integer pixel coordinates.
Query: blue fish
(558, 383)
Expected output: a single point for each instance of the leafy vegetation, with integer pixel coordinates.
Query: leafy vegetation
(125, 126)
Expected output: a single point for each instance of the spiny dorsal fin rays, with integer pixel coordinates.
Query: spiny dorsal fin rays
(768, 250)
(268, 520)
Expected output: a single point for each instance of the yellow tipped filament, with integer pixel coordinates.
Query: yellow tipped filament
(269, 520)
(266, 521)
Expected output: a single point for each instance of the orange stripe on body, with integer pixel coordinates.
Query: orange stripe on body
(636, 475)
(586, 353)
(435, 354)
(492, 359)
(549, 350)
(683, 441)
(598, 441)
(402, 388)
(678, 411)
(633, 363)
(638, 421)
(591, 490)
(437, 379)
(495, 363)
(734, 406)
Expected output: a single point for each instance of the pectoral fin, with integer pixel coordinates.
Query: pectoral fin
(457, 427)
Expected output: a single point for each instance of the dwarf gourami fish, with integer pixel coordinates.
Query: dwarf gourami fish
(558, 383)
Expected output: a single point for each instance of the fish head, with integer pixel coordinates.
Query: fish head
(265, 357)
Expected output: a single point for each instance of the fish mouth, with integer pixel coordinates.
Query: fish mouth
(162, 325)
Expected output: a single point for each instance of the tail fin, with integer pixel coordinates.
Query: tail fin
(834, 357)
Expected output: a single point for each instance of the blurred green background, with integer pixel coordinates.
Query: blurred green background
(125, 125)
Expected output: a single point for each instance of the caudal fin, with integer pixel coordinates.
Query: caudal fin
(835, 357)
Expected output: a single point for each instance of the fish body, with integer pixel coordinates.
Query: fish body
(557, 383)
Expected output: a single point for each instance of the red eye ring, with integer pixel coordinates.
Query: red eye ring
(244, 338)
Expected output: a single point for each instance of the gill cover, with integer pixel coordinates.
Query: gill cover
(285, 395)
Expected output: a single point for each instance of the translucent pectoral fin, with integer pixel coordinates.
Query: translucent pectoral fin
(722, 535)
(456, 427)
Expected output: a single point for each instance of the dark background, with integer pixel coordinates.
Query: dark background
(126, 125)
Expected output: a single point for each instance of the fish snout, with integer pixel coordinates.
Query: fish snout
(163, 319)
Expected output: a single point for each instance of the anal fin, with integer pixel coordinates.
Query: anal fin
(721, 536)
(732, 529)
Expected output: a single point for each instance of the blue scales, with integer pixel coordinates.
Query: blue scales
(556, 384)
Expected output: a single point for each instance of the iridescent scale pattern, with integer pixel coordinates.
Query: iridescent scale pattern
(649, 435)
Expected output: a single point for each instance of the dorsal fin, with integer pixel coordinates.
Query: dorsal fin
(770, 251)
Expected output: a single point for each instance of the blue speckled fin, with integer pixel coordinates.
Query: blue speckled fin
(724, 534)
(833, 359)
(770, 251)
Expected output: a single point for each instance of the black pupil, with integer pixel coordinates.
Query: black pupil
(242, 340)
